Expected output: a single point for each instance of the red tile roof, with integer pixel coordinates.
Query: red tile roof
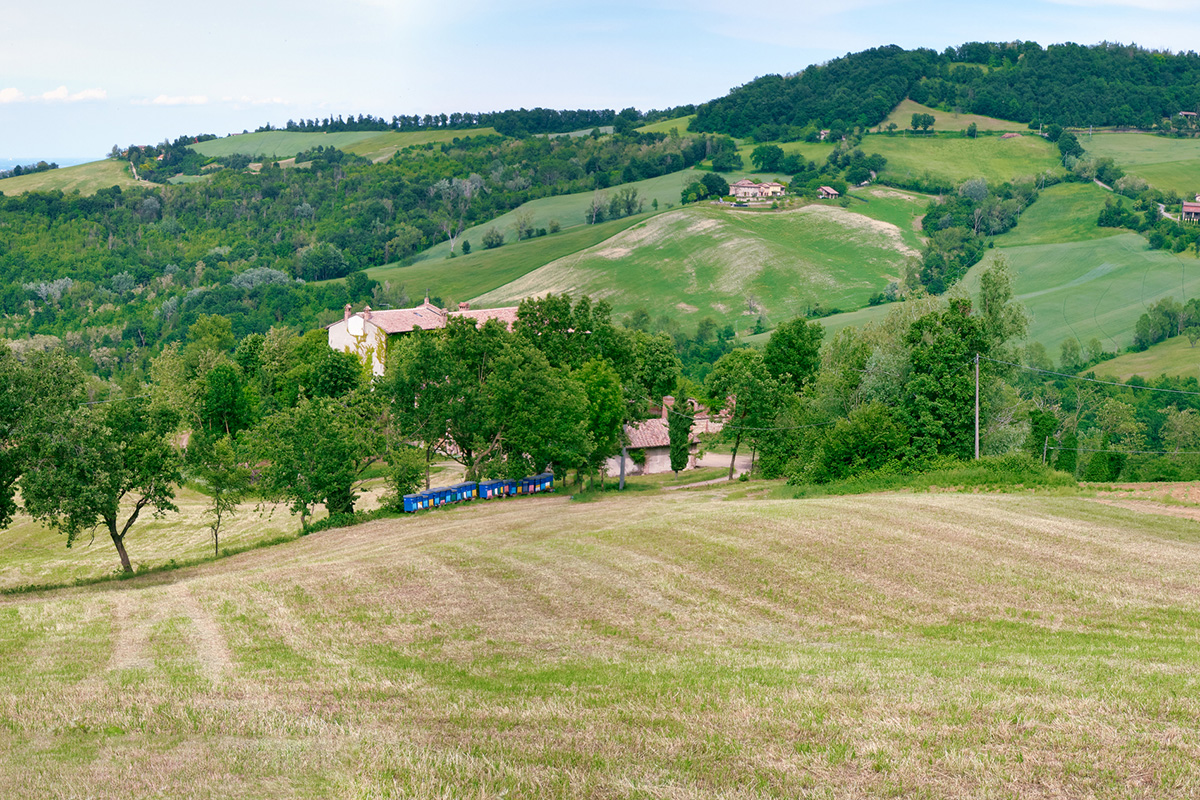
(402, 320)
(651, 433)
(506, 315)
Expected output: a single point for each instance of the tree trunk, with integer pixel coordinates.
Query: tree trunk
(119, 541)
(733, 458)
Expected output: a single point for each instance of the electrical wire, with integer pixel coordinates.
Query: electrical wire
(1089, 380)
(1128, 452)
(748, 428)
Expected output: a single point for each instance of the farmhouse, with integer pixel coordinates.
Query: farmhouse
(746, 189)
(367, 332)
(1191, 211)
(649, 449)
(827, 193)
(1188, 114)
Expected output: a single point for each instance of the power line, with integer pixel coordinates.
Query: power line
(748, 428)
(114, 400)
(1129, 452)
(1090, 380)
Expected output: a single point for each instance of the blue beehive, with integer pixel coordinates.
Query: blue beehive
(444, 495)
(510, 488)
(489, 489)
(545, 482)
(465, 490)
(527, 485)
(412, 502)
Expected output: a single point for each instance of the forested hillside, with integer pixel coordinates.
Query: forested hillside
(1067, 84)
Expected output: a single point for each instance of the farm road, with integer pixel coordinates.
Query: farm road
(740, 465)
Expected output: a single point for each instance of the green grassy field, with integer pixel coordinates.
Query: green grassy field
(954, 160)
(658, 645)
(570, 210)
(375, 145)
(949, 121)
(1175, 357)
(1168, 164)
(1076, 279)
(83, 178)
(664, 126)
(733, 265)
(1063, 213)
(1094, 288)
(482, 270)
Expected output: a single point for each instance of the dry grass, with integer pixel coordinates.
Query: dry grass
(664, 645)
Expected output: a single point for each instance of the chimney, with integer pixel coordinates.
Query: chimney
(366, 313)
(346, 316)
(667, 403)
(464, 306)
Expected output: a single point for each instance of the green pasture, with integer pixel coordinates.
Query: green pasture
(376, 145)
(730, 264)
(570, 210)
(665, 125)
(953, 160)
(685, 645)
(948, 120)
(1167, 164)
(482, 270)
(1175, 357)
(1095, 288)
(1063, 213)
(83, 178)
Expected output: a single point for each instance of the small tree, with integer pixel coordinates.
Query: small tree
(679, 433)
(492, 239)
(226, 479)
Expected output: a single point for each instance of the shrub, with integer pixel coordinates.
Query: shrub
(492, 238)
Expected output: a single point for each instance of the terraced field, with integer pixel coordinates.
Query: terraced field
(665, 645)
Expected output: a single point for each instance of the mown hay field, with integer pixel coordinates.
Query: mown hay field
(666, 645)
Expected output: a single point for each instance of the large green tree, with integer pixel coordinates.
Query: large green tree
(742, 379)
(103, 465)
(793, 353)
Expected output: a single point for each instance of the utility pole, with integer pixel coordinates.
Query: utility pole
(624, 454)
(977, 406)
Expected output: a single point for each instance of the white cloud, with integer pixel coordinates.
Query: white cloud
(60, 95)
(174, 100)
(63, 95)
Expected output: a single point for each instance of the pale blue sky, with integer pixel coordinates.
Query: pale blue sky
(77, 76)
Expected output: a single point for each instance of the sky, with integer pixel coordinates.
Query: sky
(77, 76)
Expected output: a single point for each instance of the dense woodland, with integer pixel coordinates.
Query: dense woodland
(1066, 84)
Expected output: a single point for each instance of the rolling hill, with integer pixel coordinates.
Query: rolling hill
(1167, 164)
(729, 264)
(375, 145)
(83, 178)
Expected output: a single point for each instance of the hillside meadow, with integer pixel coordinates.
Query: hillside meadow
(1174, 357)
(733, 265)
(682, 645)
(1167, 164)
(375, 145)
(86, 178)
(901, 116)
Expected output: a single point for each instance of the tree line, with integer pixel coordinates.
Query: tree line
(1068, 84)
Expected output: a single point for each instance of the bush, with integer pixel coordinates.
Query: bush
(492, 238)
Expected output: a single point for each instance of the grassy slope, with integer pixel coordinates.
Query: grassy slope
(1175, 356)
(664, 126)
(375, 145)
(716, 261)
(482, 270)
(930, 645)
(570, 210)
(949, 121)
(84, 178)
(1075, 278)
(954, 160)
(1166, 163)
